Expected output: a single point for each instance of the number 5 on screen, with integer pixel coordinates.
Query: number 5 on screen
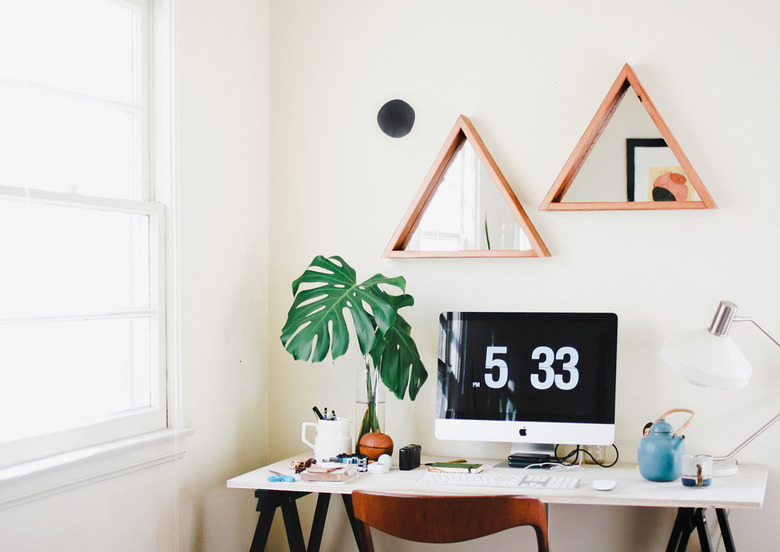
(503, 371)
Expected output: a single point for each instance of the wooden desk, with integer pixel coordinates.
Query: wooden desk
(744, 490)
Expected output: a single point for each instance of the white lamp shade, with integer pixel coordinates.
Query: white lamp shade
(707, 359)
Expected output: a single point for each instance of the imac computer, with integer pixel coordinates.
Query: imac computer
(530, 379)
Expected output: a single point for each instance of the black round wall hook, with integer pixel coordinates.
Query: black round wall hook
(396, 118)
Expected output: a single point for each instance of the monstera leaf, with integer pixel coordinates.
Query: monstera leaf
(316, 318)
(316, 323)
(396, 353)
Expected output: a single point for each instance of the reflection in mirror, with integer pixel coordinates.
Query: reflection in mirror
(466, 212)
(465, 207)
(627, 158)
(631, 162)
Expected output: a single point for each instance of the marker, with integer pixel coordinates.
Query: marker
(318, 413)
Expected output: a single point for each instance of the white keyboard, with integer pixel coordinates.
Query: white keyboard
(501, 479)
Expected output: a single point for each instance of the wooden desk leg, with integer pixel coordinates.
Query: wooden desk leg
(262, 530)
(352, 521)
(267, 503)
(701, 526)
(318, 524)
(725, 530)
(681, 532)
(690, 519)
(292, 525)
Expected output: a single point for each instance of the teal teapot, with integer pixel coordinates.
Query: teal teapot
(661, 449)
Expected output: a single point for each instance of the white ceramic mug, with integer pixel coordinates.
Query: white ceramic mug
(333, 438)
(696, 470)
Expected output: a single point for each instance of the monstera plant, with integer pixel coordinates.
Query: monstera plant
(316, 326)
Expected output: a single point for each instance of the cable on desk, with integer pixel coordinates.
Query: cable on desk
(581, 450)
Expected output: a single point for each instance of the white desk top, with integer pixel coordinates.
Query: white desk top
(744, 490)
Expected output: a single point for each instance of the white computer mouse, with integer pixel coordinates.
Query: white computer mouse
(604, 484)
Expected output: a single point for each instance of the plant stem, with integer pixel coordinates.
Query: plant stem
(370, 422)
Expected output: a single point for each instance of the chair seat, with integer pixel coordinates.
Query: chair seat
(446, 519)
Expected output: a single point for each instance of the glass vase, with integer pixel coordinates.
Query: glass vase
(370, 401)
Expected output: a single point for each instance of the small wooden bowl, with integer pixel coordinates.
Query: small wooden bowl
(375, 445)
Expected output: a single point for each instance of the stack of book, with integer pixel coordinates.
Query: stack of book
(328, 471)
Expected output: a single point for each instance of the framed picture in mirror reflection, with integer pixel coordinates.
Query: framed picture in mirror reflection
(654, 174)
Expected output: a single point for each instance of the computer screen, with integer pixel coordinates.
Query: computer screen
(530, 379)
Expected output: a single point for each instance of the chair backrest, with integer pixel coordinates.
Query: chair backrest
(444, 519)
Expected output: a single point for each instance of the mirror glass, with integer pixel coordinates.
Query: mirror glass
(467, 212)
(630, 161)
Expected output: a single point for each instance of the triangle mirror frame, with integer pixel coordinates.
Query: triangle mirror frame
(463, 131)
(553, 201)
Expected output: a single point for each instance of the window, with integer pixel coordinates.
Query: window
(82, 287)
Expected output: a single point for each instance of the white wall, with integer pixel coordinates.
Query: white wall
(222, 93)
(223, 153)
(530, 75)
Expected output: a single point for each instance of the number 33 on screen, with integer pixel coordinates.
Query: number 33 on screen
(545, 378)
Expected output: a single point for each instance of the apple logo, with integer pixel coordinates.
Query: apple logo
(523, 432)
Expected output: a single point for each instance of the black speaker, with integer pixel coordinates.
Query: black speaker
(409, 457)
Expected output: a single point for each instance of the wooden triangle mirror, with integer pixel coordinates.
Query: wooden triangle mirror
(457, 212)
(627, 159)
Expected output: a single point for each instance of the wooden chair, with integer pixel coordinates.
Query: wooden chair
(445, 519)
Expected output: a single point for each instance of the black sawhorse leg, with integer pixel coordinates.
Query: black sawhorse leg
(269, 501)
(690, 519)
(352, 521)
(725, 530)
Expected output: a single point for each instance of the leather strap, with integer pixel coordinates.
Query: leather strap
(682, 427)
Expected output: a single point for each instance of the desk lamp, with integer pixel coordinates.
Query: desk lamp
(710, 358)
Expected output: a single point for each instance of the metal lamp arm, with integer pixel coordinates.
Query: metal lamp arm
(747, 441)
(759, 326)
(771, 422)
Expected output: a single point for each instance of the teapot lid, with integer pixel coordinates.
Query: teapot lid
(661, 427)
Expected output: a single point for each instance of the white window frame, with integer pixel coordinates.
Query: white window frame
(156, 436)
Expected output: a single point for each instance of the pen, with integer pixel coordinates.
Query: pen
(318, 413)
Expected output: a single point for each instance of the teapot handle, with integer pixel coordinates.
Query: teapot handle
(682, 427)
